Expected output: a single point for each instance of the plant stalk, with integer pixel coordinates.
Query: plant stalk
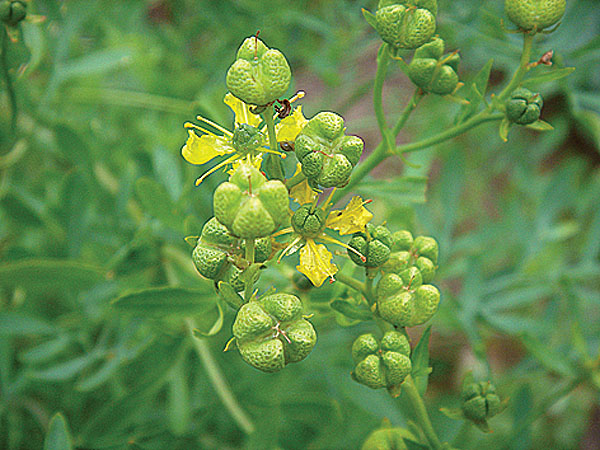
(12, 97)
(421, 413)
(273, 162)
(351, 282)
(521, 70)
(219, 383)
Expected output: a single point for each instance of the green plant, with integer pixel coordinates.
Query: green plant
(103, 314)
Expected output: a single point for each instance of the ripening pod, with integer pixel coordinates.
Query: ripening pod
(307, 223)
(524, 107)
(326, 153)
(432, 71)
(382, 364)
(12, 12)
(259, 74)
(404, 301)
(421, 252)
(249, 205)
(271, 332)
(480, 401)
(247, 139)
(211, 253)
(534, 14)
(406, 24)
(375, 245)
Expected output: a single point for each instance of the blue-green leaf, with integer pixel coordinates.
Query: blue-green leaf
(58, 436)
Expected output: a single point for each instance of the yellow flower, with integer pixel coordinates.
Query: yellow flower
(315, 259)
(202, 149)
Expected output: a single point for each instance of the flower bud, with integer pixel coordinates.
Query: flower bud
(374, 245)
(381, 364)
(480, 401)
(534, 14)
(432, 71)
(271, 332)
(12, 12)
(326, 153)
(524, 107)
(259, 75)
(309, 224)
(406, 24)
(249, 205)
(403, 301)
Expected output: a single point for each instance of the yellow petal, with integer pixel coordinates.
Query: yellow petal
(241, 111)
(201, 149)
(315, 263)
(351, 219)
(302, 193)
(290, 126)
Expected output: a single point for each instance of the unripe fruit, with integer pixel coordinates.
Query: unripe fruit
(308, 224)
(480, 401)
(381, 364)
(432, 71)
(211, 252)
(259, 75)
(524, 107)
(246, 139)
(326, 153)
(271, 332)
(406, 24)
(403, 301)
(249, 205)
(385, 439)
(374, 245)
(12, 12)
(534, 14)
(421, 252)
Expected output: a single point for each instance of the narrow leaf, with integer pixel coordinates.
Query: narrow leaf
(398, 190)
(58, 436)
(420, 362)
(165, 301)
(503, 129)
(540, 125)
(553, 75)
(369, 17)
(229, 295)
(18, 324)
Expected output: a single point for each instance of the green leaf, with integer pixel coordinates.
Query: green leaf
(67, 275)
(453, 413)
(352, 309)
(547, 356)
(420, 362)
(503, 129)
(412, 445)
(229, 295)
(167, 170)
(178, 401)
(210, 323)
(66, 370)
(369, 17)
(18, 324)
(475, 93)
(165, 301)
(540, 125)
(398, 190)
(155, 200)
(47, 351)
(58, 436)
(94, 63)
(553, 75)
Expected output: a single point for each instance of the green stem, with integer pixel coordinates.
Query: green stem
(295, 180)
(351, 282)
(412, 104)
(219, 383)
(421, 413)
(521, 70)
(478, 119)
(383, 61)
(369, 287)
(273, 163)
(12, 97)
(249, 255)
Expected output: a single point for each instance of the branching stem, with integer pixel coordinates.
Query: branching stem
(421, 413)
(273, 163)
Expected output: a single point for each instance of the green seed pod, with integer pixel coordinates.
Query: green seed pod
(524, 107)
(271, 332)
(259, 75)
(432, 71)
(374, 245)
(12, 12)
(212, 250)
(406, 24)
(385, 439)
(326, 153)
(379, 365)
(307, 223)
(247, 139)
(534, 14)
(480, 401)
(421, 252)
(249, 205)
(403, 301)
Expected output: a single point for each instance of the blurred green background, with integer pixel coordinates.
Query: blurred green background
(95, 201)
